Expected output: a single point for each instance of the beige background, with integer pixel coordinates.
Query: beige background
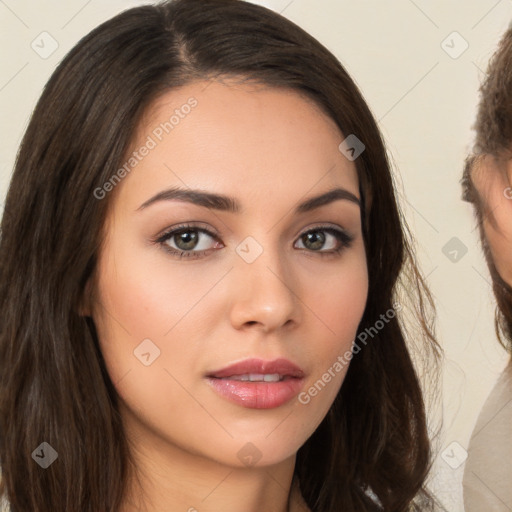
(424, 99)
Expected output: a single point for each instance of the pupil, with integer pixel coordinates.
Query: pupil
(317, 238)
(189, 238)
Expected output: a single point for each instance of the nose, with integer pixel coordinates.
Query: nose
(264, 293)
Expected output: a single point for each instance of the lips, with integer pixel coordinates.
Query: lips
(281, 367)
(258, 384)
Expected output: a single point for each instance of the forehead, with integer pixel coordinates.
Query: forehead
(242, 137)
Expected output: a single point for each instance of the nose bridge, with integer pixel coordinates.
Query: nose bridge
(264, 284)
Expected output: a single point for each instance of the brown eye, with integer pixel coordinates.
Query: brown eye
(186, 240)
(315, 240)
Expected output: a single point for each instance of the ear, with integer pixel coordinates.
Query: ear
(493, 182)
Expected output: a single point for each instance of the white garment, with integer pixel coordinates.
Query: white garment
(487, 479)
(4, 503)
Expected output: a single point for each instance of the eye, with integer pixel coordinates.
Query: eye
(188, 241)
(316, 239)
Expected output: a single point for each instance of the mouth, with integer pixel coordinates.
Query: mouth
(255, 377)
(258, 384)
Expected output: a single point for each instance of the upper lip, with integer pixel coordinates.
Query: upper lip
(283, 367)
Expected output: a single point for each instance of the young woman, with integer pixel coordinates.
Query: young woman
(487, 184)
(202, 262)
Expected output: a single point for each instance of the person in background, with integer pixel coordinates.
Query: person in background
(487, 184)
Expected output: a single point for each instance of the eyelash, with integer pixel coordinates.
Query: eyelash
(345, 240)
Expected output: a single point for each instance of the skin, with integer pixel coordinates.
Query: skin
(493, 182)
(270, 149)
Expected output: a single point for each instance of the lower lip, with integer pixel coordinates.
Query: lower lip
(257, 395)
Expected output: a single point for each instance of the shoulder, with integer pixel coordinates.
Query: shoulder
(4, 503)
(489, 464)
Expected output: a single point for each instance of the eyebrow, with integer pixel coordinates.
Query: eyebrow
(231, 205)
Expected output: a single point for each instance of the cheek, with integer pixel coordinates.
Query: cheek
(500, 245)
(142, 323)
(132, 308)
(143, 296)
(340, 308)
(344, 300)
(132, 302)
(338, 302)
(339, 299)
(146, 295)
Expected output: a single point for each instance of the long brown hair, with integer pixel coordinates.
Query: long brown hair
(373, 444)
(493, 137)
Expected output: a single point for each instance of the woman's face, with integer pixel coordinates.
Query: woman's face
(493, 182)
(275, 286)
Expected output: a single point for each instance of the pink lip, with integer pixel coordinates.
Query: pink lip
(258, 395)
